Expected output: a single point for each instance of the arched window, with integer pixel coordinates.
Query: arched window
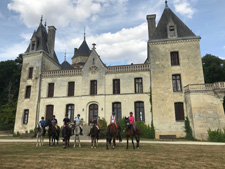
(70, 111)
(139, 111)
(116, 107)
(93, 110)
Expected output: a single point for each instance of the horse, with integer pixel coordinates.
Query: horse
(112, 132)
(76, 131)
(94, 136)
(66, 133)
(51, 132)
(57, 134)
(130, 133)
(39, 135)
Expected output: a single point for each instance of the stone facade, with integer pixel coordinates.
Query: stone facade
(173, 64)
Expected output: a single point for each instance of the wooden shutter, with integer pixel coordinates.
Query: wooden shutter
(28, 90)
(30, 73)
(50, 89)
(179, 111)
(116, 86)
(71, 89)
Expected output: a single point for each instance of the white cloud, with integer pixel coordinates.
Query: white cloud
(184, 8)
(125, 46)
(12, 51)
(61, 13)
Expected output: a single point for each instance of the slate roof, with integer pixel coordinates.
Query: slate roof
(161, 29)
(83, 50)
(66, 65)
(42, 36)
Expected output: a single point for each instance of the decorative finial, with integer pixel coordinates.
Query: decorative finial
(41, 19)
(84, 34)
(65, 56)
(166, 3)
(93, 46)
(45, 23)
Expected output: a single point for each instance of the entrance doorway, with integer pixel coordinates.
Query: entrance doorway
(49, 112)
(93, 110)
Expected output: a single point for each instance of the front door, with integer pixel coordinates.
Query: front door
(93, 110)
(49, 112)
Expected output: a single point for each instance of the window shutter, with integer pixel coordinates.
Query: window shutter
(71, 89)
(50, 89)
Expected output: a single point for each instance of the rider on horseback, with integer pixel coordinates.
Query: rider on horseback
(113, 119)
(131, 118)
(54, 121)
(96, 123)
(66, 120)
(42, 123)
(79, 123)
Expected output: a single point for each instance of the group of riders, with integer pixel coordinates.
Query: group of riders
(79, 122)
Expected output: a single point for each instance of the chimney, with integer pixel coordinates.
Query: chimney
(151, 25)
(51, 39)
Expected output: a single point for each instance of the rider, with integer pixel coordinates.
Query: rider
(95, 122)
(42, 123)
(54, 121)
(66, 120)
(131, 118)
(113, 119)
(79, 123)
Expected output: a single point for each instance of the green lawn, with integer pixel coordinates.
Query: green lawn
(26, 155)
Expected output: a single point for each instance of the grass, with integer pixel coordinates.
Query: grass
(26, 155)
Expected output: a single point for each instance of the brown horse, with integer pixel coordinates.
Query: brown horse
(112, 132)
(94, 136)
(129, 132)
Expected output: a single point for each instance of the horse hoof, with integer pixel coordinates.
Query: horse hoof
(91, 147)
(95, 147)
(79, 145)
(113, 147)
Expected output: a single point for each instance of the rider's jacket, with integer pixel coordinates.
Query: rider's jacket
(42, 123)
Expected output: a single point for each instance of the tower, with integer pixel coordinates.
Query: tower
(39, 56)
(175, 61)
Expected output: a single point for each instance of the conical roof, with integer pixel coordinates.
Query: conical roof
(161, 29)
(66, 65)
(83, 50)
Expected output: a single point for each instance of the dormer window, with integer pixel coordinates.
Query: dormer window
(171, 31)
(33, 45)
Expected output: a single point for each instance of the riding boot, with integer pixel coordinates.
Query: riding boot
(134, 133)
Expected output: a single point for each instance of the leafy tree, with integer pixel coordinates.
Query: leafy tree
(213, 68)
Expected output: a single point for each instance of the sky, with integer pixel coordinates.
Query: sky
(118, 27)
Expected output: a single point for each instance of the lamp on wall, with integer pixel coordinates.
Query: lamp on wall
(102, 109)
(83, 109)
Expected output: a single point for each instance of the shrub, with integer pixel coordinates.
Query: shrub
(103, 126)
(216, 136)
(188, 130)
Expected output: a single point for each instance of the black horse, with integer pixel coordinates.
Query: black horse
(52, 132)
(129, 132)
(66, 133)
(111, 133)
(94, 136)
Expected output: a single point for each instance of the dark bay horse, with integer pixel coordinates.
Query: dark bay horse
(94, 136)
(51, 132)
(129, 132)
(111, 133)
(66, 133)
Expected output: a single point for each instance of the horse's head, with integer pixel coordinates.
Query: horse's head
(127, 121)
(48, 123)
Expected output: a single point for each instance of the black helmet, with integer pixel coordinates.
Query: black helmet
(78, 114)
(42, 117)
(95, 116)
(113, 112)
(131, 112)
(66, 115)
(53, 116)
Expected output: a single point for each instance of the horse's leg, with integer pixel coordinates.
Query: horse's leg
(92, 144)
(95, 142)
(74, 139)
(49, 137)
(79, 140)
(127, 142)
(133, 142)
(138, 139)
(114, 142)
(37, 140)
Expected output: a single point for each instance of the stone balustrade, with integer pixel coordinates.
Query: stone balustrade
(128, 68)
(204, 87)
(70, 72)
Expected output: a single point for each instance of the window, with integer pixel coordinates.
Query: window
(50, 89)
(174, 58)
(32, 45)
(30, 75)
(25, 116)
(71, 89)
(176, 83)
(116, 107)
(139, 111)
(70, 111)
(93, 87)
(171, 31)
(49, 112)
(138, 85)
(116, 86)
(28, 90)
(179, 111)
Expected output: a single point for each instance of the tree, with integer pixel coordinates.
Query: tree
(213, 68)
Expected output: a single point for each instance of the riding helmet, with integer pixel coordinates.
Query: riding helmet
(42, 117)
(131, 112)
(78, 114)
